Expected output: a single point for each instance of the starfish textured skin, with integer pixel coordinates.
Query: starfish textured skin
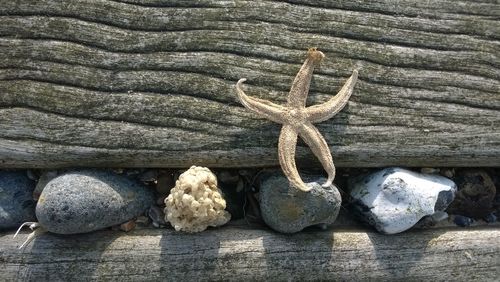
(297, 119)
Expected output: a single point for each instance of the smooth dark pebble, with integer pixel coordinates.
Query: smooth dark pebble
(462, 221)
(491, 217)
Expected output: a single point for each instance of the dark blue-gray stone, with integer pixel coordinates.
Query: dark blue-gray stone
(287, 209)
(16, 199)
(88, 200)
(462, 221)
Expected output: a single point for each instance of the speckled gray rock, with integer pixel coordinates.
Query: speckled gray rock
(287, 209)
(16, 199)
(88, 200)
(394, 199)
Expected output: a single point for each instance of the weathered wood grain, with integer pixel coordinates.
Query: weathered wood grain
(150, 83)
(238, 253)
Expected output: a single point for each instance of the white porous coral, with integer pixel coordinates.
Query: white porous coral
(195, 202)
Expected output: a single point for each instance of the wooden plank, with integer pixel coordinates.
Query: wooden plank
(152, 83)
(235, 253)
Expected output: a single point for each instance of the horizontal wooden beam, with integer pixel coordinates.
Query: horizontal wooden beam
(238, 252)
(152, 83)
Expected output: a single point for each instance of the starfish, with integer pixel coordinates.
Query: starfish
(297, 119)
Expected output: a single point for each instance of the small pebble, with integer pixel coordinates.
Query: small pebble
(118, 170)
(142, 221)
(149, 175)
(157, 216)
(16, 200)
(432, 220)
(438, 216)
(251, 208)
(86, 200)
(448, 172)
(287, 209)
(227, 177)
(233, 192)
(250, 177)
(395, 199)
(246, 173)
(491, 217)
(462, 221)
(44, 178)
(160, 201)
(32, 174)
(476, 194)
(133, 172)
(429, 170)
(164, 183)
(127, 226)
(240, 186)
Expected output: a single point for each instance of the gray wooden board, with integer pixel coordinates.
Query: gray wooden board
(238, 253)
(142, 83)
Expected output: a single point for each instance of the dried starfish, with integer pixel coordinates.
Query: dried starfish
(297, 119)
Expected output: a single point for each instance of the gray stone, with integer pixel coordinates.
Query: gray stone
(16, 199)
(394, 199)
(287, 209)
(87, 200)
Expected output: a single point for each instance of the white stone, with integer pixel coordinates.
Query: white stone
(395, 199)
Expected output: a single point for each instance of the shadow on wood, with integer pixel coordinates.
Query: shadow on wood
(238, 252)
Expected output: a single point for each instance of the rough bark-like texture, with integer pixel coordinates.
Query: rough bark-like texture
(238, 253)
(151, 82)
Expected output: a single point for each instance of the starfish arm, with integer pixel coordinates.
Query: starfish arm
(286, 153)
(311, 135)
(264, 108)
(300, 86)
(327, 110)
